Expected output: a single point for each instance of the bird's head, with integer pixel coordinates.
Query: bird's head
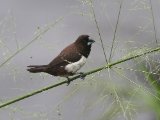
(84, 40)
(83, 44)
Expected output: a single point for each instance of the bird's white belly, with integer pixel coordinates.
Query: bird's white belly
(75, 66)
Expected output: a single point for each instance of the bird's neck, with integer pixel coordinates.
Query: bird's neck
(84, 50)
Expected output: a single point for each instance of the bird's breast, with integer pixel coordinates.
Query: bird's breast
(75, 66)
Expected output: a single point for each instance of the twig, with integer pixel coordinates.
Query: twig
(76, 77)
(155, 33)
(114, 37)
(14, 27)
(98, 29)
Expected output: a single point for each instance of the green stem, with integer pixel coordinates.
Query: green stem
(98, 30)
(76, 77)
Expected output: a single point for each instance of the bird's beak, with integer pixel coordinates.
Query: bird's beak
(91, 41)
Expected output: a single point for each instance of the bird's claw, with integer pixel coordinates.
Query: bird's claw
(82, 75)
(68, 81)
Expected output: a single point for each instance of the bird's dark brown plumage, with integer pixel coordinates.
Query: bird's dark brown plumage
(70, 54)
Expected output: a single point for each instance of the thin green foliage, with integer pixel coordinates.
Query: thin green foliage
(154, 84)
(34, 39)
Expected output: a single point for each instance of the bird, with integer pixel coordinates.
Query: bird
(69, 61)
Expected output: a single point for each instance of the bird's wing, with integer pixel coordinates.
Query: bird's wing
(69, 55)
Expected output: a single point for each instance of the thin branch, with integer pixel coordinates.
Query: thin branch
(155, 33)
(98, 29)
(76, 77)
(115, 32)
(14, 27)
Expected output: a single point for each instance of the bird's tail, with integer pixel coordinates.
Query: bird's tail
(37, 68)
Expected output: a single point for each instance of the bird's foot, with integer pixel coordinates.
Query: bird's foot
(68, 81)
(82, 75)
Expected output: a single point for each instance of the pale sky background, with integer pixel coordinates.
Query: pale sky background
(20, 20)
